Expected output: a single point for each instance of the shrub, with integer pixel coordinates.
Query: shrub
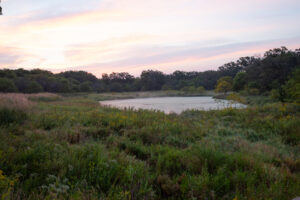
(167, 187)
(236, 97)
(170, 163)
(137, 150)
(11, 116)
(47, 121)
(33, 87)
(7, 85)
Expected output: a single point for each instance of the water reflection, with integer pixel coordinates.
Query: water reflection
(173, 104)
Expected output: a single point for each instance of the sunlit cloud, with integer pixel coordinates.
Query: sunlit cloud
(133, 35)
(191, 58)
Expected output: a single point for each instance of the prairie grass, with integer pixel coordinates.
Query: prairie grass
(15, 100)
(23, 101)
(72, 148)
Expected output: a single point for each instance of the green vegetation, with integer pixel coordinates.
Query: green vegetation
(292, 87)
(224, 84)
(7, 85)
(69, 147)
(253, 75)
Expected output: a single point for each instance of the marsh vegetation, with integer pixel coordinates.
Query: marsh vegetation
(69, 147)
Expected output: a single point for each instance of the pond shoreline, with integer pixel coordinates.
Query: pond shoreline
(145, 94)
(173, 104)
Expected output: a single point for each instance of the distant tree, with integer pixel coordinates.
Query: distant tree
(99, 86)
(152, 80)
(252, 88)
(207, 79)
(276, 52)
(239, 81)
(166, 87)
(64, 86)
(115, 87)
(136, 85)
(276, 65)
(86, 86)
(180, 75)
(43, 80)
(226, 78)
(33, 87)
(230, 69)
(7, 73)
(123, 78)
(224, 85)
(21, 72)
(200, 89)
(105, 78)
(189, 89)
(292, 87)
(247, 61)
(7, 85)
(278, 94)
(255, 75)
(80, 76)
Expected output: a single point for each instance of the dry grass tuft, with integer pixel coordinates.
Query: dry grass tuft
(19, 100)
(41, 95)
(15, 100)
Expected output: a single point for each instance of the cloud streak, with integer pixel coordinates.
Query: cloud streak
(132, 35)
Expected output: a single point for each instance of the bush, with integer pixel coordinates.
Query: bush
(47, 121)
(11, 116)
(7, 85)
(170, 163)
(236, 97)
(252, 91)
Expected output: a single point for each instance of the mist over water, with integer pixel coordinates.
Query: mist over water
(173, 104)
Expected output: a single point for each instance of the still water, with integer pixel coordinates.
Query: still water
(173, 104)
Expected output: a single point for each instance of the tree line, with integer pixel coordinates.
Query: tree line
(257, 75)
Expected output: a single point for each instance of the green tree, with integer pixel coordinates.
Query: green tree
(292, 87)
(224, 85)
(33, 87)
(188, 89)
(200, 89)
(86, 87)
(276, 65)
(239, 81)
(230, 69)
(115, 87)
(226, 78)
(152, 80)
(7, 73)
(7, 85)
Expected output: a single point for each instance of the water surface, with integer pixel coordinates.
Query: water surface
(173, 104)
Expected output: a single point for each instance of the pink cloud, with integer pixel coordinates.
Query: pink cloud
(131, 35)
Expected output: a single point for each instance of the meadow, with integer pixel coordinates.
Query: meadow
(69, 147)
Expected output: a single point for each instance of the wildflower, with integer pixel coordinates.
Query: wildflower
(2, 177)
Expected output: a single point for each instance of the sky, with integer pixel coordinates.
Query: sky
(104, 36)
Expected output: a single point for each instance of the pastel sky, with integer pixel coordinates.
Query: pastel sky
(102, 36)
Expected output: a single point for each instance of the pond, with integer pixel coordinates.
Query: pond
(173, 104)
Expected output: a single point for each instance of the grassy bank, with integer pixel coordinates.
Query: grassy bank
(54, 147)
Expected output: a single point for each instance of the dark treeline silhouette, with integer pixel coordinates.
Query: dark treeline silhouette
(255, 74)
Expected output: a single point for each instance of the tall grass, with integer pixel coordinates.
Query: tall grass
(71, 148)
(15, 101)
